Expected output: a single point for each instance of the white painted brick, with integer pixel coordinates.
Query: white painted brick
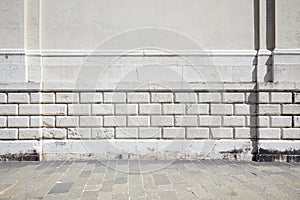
(173, 133)
(91, 121)
(234, 121)
(126, 109)
(68, 97)
(79, 133)
(209, 97)
(297, 97)
(187, 120)
(32, 133)
(54, 133)
(251, 97)
(197, 109)
(174, 109)
(114, 97)
(42, 97)
(126, 132)
(3, 122)
(42, 121)
(8, 109)
(297, 121)
(269, 109)
(221, 109)
(103, 133)
(281, 121)
(138, 121)
(263, 121)
(161, 97)
(18, 98)
(150, 132)
(186, 97)
(291, 109)
(197, 133)
(209, 121)
(67, 121)
(103, 109)
(150, 109)
(114, 121)
(233, 97)
(54, 109)
(30, 109)
(3, 98)
(245, 109)
(91, 97)
(162, 121)
(79, 109)
(291, 133)
(263, 97)
(269, 133)
(18, 121)
(251, 121)
(138, 97)
(245, 133)
(9, 134)
(221, 133)
(281, 97)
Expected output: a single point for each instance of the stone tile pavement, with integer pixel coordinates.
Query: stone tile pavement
(129, 179)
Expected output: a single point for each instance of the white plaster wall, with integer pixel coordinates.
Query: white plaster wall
(214, 24)
(288, 24)
(11, 24)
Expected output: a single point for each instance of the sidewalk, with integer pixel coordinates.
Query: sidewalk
(122, 179)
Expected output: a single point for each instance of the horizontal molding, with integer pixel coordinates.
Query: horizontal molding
(69, 53)
(52, 52)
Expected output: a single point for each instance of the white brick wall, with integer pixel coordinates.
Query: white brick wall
(91, 121)
(138, 121)
(103, 109)
(188, 120)
(162, 121)
(102, 133)
(221, 109)
(161, 97)
(151, 133)
(18, 97)
(32, 133)
(42, 97)
(174, 109)
(222, 132)
(91, 97)
(79, 109)
(173, 133)
(126, 109)
(18, 121)
(126, 132)
(150, 109)
(141, 97)
(114, 121)
(7, 109)
(233, 97)
(197, 109)
(3, 98)
(186, 97)
(148, 115)
(67, 97)
(197, 133)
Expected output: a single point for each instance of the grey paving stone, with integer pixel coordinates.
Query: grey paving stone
(167, 195)
(61, 188)
(122, 180)
(85, 174)
(161, 179)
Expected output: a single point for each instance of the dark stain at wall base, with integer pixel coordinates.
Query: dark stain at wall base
(265, 155)
(33, 156)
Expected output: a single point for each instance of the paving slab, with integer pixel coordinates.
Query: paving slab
(140, 179)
